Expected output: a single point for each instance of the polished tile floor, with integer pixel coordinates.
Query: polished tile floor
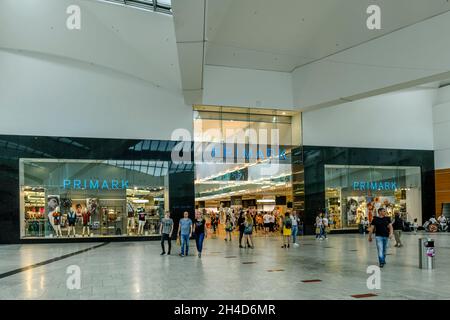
(135, 270)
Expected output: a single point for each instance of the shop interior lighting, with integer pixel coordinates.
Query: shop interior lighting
(141, 201)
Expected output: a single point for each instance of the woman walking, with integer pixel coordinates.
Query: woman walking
(319, 225)
(286, 226)
(228, 227)
(248, 231)
(199, 232)
(295, 224)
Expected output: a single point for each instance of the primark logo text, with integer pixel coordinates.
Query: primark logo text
(95, 184)
(374, 186)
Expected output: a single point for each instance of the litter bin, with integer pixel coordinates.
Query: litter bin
(426, 253)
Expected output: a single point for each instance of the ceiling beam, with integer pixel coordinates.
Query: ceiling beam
(190, 19)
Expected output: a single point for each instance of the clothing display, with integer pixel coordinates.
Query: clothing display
(86, 215)
(72, 218)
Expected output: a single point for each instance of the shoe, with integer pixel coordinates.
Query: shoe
(162, 253)
(168, 253)
(396, 245)
(400, 245)
(296, 244)
(240, 246)
(251, 247)
(181, 255)
(288, 246)
(283, 246)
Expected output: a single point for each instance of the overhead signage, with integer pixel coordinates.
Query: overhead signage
(374, 185)
(95, 184)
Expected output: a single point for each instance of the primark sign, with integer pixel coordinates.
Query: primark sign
(95, 184)
(374, 185)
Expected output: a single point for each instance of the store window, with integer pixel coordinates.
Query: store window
(92, 198)
(355, 193)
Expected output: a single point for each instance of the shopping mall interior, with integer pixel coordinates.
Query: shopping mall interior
(255, 117)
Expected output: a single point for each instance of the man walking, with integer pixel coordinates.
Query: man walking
(166, 229)
(383, 231)
(295, 224)
(241, 225)
(398, 228)
(185, 233)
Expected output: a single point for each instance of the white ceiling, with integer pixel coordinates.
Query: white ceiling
(128, 40)
(282, 35)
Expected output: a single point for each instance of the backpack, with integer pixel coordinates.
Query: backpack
(288, 223)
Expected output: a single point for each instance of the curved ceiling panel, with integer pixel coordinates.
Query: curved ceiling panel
(132, 41)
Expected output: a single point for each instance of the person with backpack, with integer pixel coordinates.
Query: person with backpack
(287, 230)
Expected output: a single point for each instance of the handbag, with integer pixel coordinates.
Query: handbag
(178, 241)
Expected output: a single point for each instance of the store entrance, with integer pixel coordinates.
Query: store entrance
(243, 164)
(265, 207)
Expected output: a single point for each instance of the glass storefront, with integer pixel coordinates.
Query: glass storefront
(354, 193)
(92, 198)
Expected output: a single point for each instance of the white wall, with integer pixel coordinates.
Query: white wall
(247, 88)
(412, 53)
(46, 95)
(401, 120)
(441, 126)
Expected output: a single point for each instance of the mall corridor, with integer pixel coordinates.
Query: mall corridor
(135, 270)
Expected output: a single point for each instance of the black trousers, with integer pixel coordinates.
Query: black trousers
(241, 234)
(164, 237)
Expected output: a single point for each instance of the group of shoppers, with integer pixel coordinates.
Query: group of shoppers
(186, 228)
(322, 226)
(384, 229)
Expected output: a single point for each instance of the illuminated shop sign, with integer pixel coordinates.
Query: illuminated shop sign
(374, 186)
(248, 154)
(95, 184)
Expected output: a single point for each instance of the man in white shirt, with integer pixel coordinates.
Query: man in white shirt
(266, 218)
(272, 222)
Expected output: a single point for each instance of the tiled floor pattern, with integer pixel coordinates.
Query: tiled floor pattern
(135, 270)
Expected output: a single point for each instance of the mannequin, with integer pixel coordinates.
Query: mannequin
(141, 217)
(57, 222)
(86, 217)
(52, 205)
(72, 219)
(130, 220)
